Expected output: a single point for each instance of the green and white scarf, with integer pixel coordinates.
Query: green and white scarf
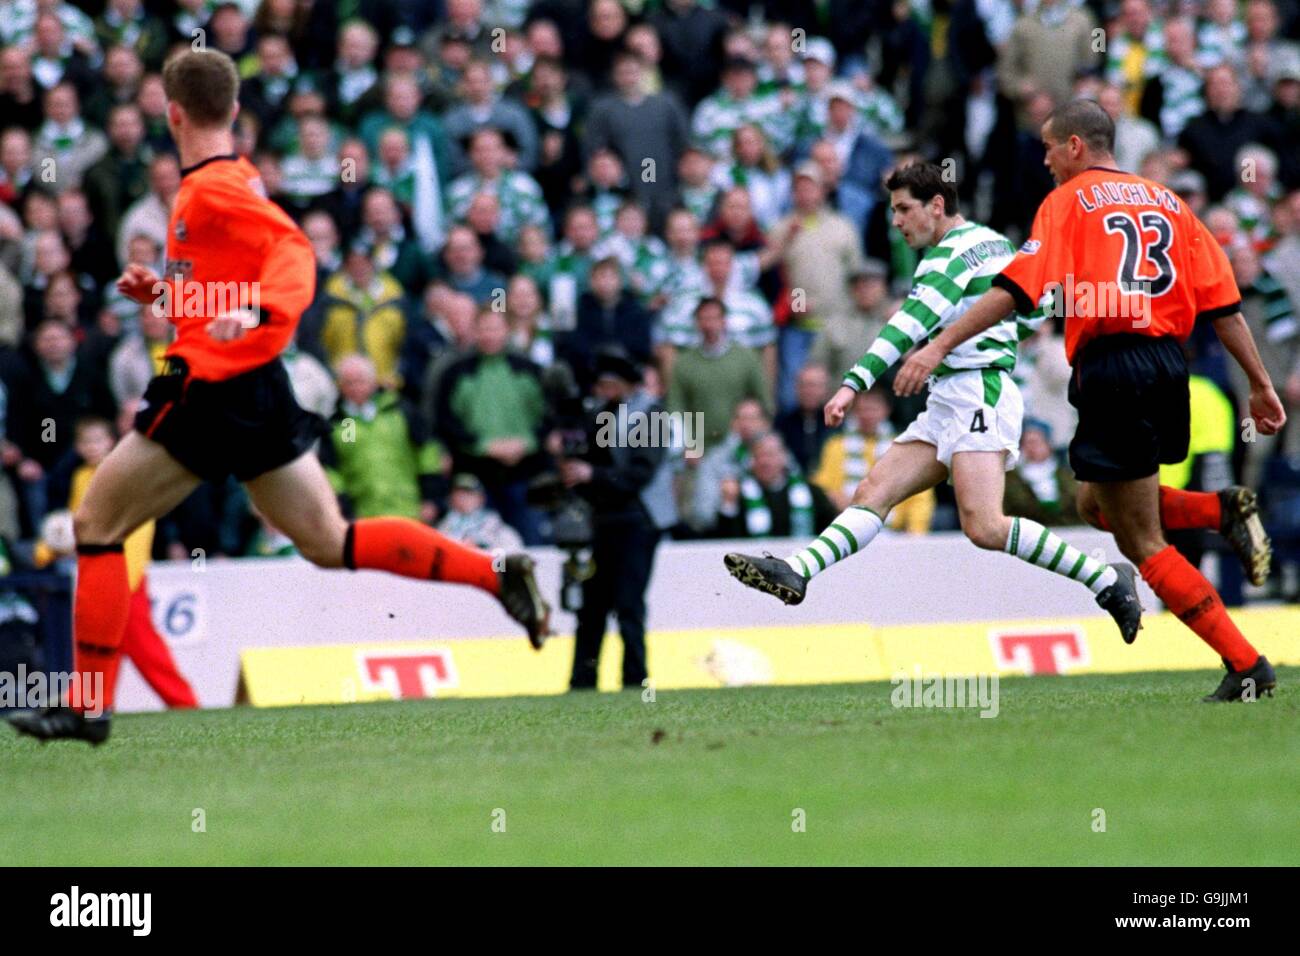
(1041, 478)
(758, 516)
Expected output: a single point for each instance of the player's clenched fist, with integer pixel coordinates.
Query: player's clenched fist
(1266, 409)
(139, 284)
(839, 405)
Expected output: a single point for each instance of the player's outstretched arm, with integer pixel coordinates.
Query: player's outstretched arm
(1265, 406)
(907, 327)
(989, 309)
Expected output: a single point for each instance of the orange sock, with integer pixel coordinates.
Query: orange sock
(1186, 592)
(99, 615)
(1184, 510)
(413, 550)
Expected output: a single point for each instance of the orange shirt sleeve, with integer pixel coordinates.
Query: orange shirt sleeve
(287, 274)
(1044, 259)
(1213, 284)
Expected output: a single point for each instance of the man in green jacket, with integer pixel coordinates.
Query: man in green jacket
(378, 457)
(491, 413)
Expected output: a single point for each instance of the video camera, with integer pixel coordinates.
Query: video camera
(570, 514)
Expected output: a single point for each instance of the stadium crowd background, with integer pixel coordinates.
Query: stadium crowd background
(496, 190)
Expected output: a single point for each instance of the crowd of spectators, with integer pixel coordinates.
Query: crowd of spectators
(496, 190)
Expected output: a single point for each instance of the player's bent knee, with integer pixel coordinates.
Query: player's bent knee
(322, 557)
(871, 493)
(862, 494)
(324, 551)
(987, 538)
(984, 531)
(316, 533)
(90, 528)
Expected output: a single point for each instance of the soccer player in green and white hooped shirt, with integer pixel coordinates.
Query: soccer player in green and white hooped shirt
(970, 428)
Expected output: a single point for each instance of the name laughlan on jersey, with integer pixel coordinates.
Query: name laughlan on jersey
(1127, 194)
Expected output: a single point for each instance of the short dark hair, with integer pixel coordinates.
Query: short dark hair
(204, 83)
(1086, 120)
(924, 181)
(707, 301)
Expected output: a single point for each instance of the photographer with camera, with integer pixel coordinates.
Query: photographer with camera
(610, 468)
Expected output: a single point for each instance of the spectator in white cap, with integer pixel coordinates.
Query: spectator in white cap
(818, 72)
(863, 159)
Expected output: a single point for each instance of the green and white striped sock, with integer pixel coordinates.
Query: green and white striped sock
(1030, 541)
(848, 534)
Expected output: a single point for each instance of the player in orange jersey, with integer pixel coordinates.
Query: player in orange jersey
(239, 274)
(1135, 270)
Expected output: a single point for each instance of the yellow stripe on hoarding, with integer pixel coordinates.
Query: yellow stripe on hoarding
(809, 654)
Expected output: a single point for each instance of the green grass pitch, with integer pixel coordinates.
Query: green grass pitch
(695, 777)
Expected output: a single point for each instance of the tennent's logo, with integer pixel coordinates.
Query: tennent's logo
(408, 675)
(1045, 650)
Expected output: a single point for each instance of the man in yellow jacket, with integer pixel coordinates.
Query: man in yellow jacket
(363, 314)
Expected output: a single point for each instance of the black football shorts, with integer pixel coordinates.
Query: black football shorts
(243, 426)
(1131, 393)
